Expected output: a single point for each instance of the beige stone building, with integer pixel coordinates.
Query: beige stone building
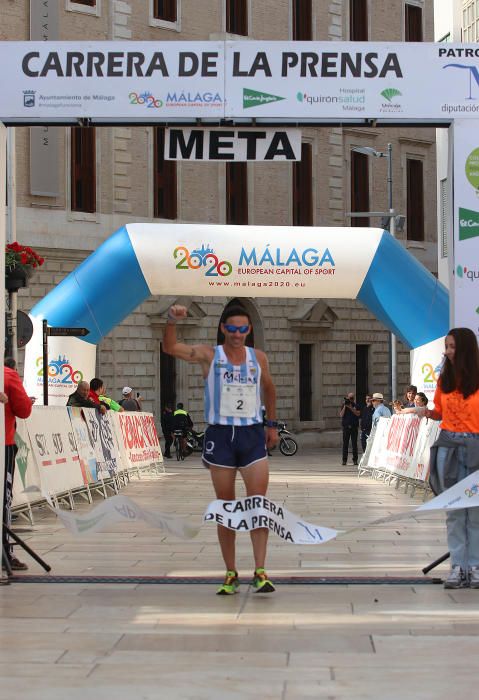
(112, 175)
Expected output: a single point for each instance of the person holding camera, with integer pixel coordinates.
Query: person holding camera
(349, 415)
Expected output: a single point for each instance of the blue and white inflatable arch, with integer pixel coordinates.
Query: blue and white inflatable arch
(140, 260)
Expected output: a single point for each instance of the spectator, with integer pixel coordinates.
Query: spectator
(411, 392)
(349, 415)
(79, 398)
(182, 419)
(17, 405)
(419, 408)
(128, 402)
(366, 421)
(455, 454)
(97, 395)
(380, 410)
(167, 429)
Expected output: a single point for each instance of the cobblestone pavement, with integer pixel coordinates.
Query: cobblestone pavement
(339, 640)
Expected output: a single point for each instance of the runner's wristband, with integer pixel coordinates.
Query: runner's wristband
(271, 424)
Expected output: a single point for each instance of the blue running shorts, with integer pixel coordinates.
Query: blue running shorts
(233, 446)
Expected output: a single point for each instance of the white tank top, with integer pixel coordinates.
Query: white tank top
(232, 392)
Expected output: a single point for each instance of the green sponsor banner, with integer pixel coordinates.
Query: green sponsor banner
(253, 98)
(468, 224)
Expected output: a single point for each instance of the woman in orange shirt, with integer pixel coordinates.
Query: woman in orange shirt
(456, 403)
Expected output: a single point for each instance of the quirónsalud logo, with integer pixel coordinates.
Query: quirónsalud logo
(253, 98)
(468, 224)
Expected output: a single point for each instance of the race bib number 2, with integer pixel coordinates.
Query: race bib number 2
(238, 401)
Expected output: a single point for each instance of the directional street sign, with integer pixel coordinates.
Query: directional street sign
(67, 331)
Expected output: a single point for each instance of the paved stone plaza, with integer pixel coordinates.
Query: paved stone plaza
(130, 640)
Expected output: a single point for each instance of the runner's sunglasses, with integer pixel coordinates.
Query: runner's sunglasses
(232, 329)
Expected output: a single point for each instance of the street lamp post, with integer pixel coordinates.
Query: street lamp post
(391, 217)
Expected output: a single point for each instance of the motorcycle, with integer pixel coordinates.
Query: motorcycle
(194, 440)
(287, 444)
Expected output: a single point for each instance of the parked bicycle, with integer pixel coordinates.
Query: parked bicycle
(179, 444)
(287, 444)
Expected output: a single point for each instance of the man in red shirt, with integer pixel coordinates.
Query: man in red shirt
(17, 405)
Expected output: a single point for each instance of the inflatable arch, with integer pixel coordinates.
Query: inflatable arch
(140, 260)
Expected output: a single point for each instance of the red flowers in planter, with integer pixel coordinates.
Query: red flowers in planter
(21, 257)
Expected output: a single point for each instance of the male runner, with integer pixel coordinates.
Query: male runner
(235, 376)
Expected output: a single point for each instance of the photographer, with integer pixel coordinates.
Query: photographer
(349, 415)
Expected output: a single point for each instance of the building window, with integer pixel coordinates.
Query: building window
(237, 17)
(236, 193)
(470, 21)
(362, 373)
(358, 20)
(359, 187)
(164, 185)
(302, 20)
(413, 19)
(444, 216)
(83, 169)
(88, 7)
(165, 10)
(415, 200)
(305, 381)
(303, 187)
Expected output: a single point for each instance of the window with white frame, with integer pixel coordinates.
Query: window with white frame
(87, 7)
(470, 21)
(165, 14)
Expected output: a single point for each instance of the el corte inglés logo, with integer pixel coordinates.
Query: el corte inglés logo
(253, 98)
(468, 224)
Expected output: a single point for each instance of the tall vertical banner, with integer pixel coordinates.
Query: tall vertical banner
(465, 287)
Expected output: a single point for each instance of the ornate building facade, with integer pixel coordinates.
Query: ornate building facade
(100, 178)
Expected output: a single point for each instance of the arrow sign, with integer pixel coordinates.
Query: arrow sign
(67, 331)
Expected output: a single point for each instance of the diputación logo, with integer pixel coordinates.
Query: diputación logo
(199, 258)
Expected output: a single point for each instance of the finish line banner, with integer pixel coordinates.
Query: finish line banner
(251, 513)
(167, 80)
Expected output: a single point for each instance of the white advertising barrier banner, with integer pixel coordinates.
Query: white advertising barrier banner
(233, 145)
(427, 436)
(379, 439)
(264, 260)
(103, 440)
(138, 80)
(351, 80)
(54, 448)
(69, 361)
(26, 484)
(465, 291)
(86, 451)
(176, 79)
(401, 445)
(426, 364)
(137, 437)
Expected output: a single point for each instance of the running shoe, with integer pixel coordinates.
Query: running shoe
(230, 585)
(261, 582)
